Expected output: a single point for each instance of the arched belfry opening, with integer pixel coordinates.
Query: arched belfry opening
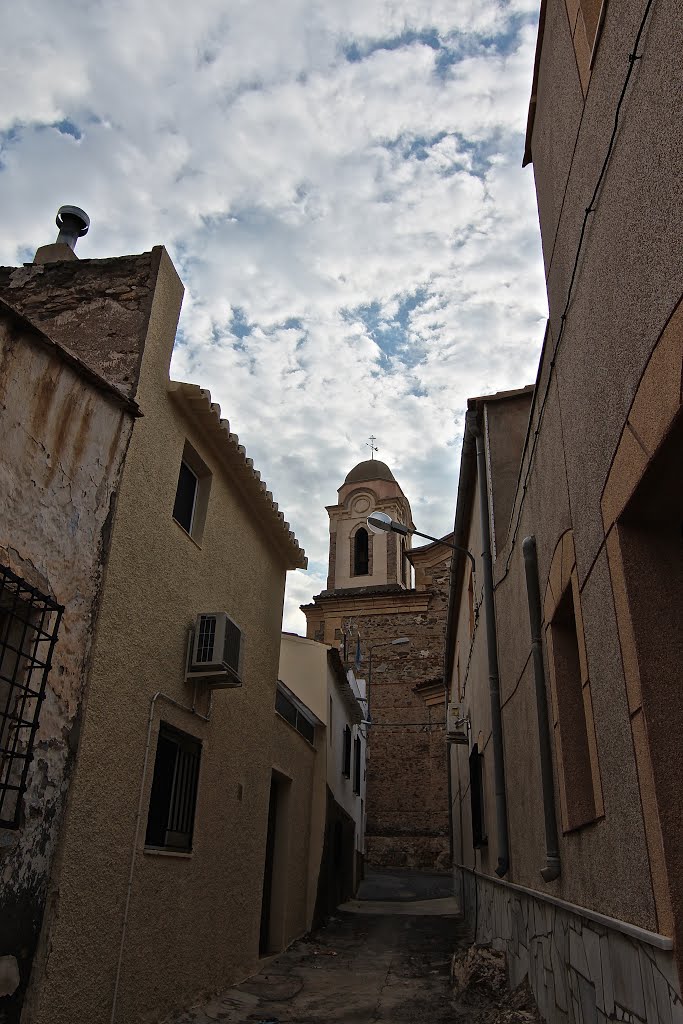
(361, 553)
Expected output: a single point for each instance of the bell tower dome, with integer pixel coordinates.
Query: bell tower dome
(358, 557)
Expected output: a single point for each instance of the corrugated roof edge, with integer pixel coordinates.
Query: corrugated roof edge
(197, 403)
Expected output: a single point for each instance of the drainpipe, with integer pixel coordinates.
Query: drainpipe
(492, 651)
(552, 868)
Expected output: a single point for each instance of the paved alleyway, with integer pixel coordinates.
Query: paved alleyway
(384, 957)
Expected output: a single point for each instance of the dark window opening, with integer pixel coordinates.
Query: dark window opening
(361, 553)
(28, 631)
(576, 763)
(185, 498)
(346, 769)
(356, 764)
(170, 823)
(479, 835)
(289, 711)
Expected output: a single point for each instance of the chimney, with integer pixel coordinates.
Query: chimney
(73, 223)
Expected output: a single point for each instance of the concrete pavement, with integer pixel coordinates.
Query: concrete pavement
(385, 959)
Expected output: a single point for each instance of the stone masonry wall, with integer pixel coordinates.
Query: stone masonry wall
(99, 309)
(581, 971)
(407, 797)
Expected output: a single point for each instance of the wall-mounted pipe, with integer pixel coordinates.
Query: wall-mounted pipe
(494, 676)
(159, 695)
(552, 867)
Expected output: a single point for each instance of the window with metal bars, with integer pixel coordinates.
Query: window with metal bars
(29, 622)
(356, 764)
(346, 766)
(172, 803)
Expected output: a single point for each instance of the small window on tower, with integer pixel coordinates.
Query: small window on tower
(361, 553)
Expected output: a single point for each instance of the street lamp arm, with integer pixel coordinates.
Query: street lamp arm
(380, 522)
(447, 544)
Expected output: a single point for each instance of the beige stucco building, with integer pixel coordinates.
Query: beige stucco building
(381, 589)
(567, 796)
(314, 674)
(156, 890)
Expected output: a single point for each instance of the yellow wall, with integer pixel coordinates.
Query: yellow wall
(303, 668)
(194, 919)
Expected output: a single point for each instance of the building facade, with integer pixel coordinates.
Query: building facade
(567, 797)
(315, 674)
(155, 893)
(370, 599)
(65, 430)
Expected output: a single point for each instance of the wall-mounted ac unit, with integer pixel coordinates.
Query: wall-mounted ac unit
(216, 651)
(456, 724)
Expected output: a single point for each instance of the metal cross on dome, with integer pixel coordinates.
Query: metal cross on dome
(371, 446)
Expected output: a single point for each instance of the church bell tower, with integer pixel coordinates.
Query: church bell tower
(359, 557)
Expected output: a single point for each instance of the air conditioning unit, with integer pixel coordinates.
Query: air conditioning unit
(215, 651)
(456, 724)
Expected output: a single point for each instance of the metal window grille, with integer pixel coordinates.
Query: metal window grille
(173, 799)
(29, 622)
(346, 770)
(207, 638)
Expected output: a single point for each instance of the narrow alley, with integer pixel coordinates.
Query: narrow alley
(385, 956)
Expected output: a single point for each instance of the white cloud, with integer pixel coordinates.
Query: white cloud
(340, 188)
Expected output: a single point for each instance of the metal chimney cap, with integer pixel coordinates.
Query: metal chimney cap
(74, 213)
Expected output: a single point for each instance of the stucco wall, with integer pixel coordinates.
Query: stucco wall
(628, 284)
(303, 668)
(297, 855)
(341, 786)
(193, 919)
(64, 440)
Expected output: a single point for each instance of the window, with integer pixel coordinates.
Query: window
(286, 706)
(173, 799)
(566, 671)
(28, 630)
(356, 764)
(572, 706)
(192, 493)
(361, 553)
(479, 835)
(586, 19)
(346, 768)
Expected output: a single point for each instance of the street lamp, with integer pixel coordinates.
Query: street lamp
(401, 641)
(380, 522)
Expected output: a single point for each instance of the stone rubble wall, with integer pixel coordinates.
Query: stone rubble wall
(580, 971)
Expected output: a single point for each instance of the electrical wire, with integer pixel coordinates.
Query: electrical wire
(632, 58)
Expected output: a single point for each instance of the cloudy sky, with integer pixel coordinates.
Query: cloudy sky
(339, 185)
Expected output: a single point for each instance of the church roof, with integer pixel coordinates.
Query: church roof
(371, 469)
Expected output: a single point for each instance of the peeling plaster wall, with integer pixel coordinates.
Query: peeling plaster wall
(63, 445)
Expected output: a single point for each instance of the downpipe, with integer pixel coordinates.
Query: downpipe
(494, 675)
(552, 868)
